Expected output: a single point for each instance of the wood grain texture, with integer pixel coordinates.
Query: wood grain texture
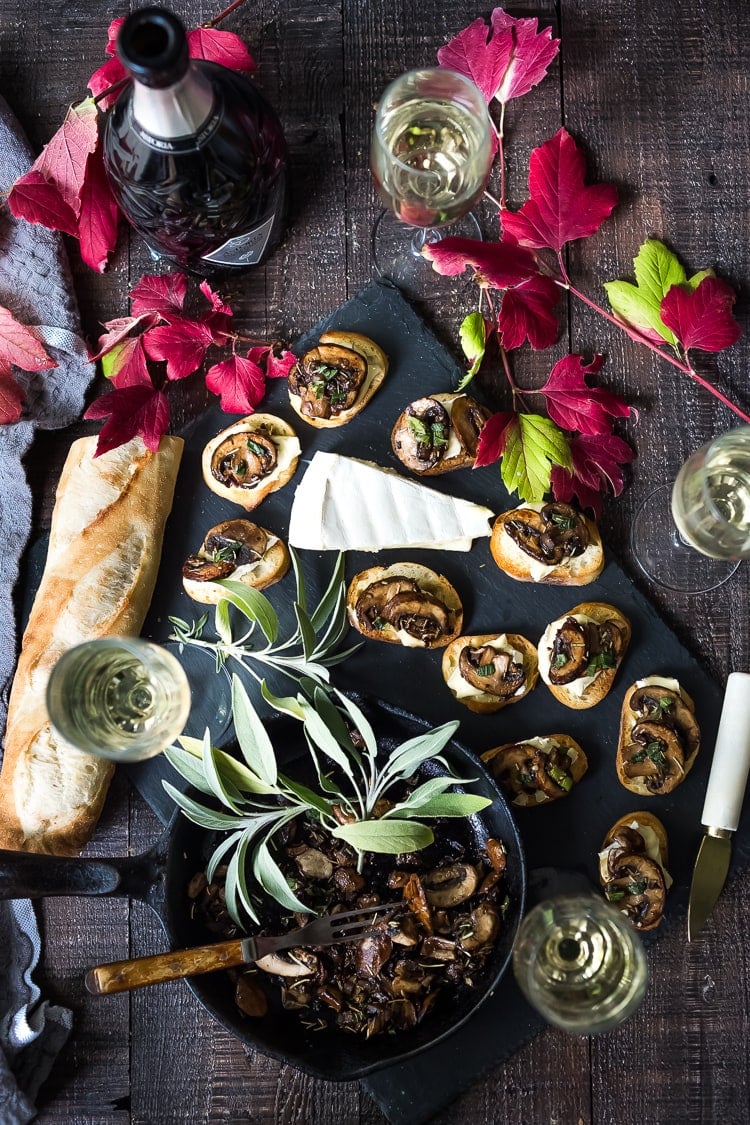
(659, 95)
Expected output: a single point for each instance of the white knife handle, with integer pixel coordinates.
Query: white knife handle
(731, 761)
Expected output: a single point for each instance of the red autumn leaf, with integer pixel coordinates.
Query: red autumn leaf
(597, 464)
(11, 398)
(159, 293)
(527, 312)
(493, 437)
(219, 319)
(531, 53)
(118, 330)
(702, 318)
(112, 32)
(560, 206)
(497, 264)
(279, 366)
(63, 161)
(131, 410)
(35, 199)
(182, 345)
(576, 406)
(129, 367)
(217, 303)
(19, 346)
(100, 215)
(107, 77)
(479, 55)
(240, 382)
(221, 47)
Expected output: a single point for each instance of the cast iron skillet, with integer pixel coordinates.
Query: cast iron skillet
(160, 876)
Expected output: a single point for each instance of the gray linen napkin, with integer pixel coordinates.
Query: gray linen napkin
(35, 284)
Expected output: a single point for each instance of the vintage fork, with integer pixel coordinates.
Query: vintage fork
(121, 976)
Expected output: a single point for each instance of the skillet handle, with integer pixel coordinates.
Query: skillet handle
(121, 976)
(30, 875)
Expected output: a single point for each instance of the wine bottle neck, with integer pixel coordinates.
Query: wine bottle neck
(181, 110)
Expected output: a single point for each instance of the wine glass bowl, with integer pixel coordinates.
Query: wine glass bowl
(692, 535)
(430, 157)
(580, 963)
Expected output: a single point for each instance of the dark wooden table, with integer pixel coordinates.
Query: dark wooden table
(660, 96)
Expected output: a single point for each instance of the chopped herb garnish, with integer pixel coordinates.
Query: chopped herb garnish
(338, 396)
(228, 551)
(318, 387)
(559, 660)
(639, 756)
(567, 523)
(527, 778)
(437, 432)
(561, 778)
(614, 894)
(379, 623)
(419, 429)
(240, 468)
(326, 372)
(655, 751)
(485, 670)
(637, 887)
(602, 660)
(256, 448)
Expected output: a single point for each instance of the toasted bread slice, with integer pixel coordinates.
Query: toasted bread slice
(515, 682)
(586, 668)
(404, 604)
(439, 433)
(633, 868)
(551, 563)
(250, 459)
(235, 549)
(659, 736)
(537, 770)
(329, 355)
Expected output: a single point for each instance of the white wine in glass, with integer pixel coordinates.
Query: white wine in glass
(431, 156)
(580, 963)
(691, 536)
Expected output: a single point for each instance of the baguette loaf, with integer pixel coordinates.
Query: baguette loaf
(103, 558)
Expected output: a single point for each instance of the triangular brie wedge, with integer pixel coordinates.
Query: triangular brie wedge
(343, 504)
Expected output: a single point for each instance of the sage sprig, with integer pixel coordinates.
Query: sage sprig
(307, 654)
(256, 800)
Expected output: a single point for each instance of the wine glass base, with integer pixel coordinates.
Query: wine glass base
(396, 249)
(210, 692)
(665, 557)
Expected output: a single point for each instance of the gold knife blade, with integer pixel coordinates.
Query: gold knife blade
(709, 875)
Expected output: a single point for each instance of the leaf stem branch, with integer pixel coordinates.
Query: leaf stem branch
(222, 15)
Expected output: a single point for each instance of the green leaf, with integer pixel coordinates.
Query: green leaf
(473, 339)
(327, 743)
(387, 837)
(532, 447)
(410, 755)
(306, 631)
(332, 596)
(222, 624)
(694, 281)
(255, 744)
(223, 789)
(236, 883)
(232, 770)
(273, 881)
(450, 804)
(199, 814)
(286, 704)
(424, 793)
(253, 605)
(657, 269)
(299, 579)
(220, 852)
(309, 797)
(111, 360)
(188, 766)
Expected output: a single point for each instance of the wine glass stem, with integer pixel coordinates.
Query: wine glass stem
(425, 236)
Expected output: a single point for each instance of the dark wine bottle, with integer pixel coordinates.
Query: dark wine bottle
(195, 155)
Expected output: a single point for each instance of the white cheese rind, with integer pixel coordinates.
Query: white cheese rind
(343, 504)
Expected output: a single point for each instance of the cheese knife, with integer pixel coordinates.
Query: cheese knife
(723, 803)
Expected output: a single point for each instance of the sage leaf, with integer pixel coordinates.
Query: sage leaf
(361, 723)
(386, 837)
(253, 605)
(423, 793)
(285, 704)
(235, 880)
(299, 579)
(449, 804)
(222, 623)
(326, 742)
(188, 766)
(273, 881)
(252, 736)
(197, 813)
(410, 755)
(332, 596)
(220, 852)
(306, 631)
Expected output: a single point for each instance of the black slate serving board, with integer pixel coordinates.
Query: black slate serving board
(567, 833)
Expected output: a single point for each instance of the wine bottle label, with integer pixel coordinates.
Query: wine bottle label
(178, 144)
(244, 250)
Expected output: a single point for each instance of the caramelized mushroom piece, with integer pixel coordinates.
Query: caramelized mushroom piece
(637, 887)
(467, 420)
(370, 603)
(485, 924)
(666, 706)
(373, 952)
(250, 997)
(229, 545)
(555, 533)
(570, 652)
(422, 439)
(419, 614)
(244, 459)
(491, 670)
(449, 886)
(328, 379)
(655, 754)
(525, 769)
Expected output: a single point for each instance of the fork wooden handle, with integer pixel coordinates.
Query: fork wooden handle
(121, 976)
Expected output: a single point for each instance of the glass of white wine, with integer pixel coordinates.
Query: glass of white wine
(431, 156)
(691, 536)
(118, 697)
(580, 963)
